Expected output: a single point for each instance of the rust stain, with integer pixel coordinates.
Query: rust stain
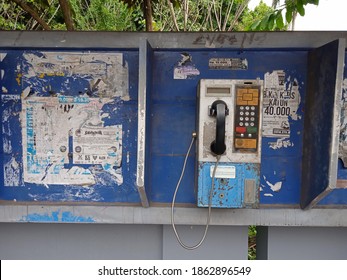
(19, 77)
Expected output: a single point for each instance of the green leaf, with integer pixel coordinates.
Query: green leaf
(264, 23)
(289, 14)
(256, 25)
(271, 22)
(300, 8)
(279, 20)
(314, 2)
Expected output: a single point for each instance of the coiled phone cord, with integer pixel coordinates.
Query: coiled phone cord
(209, 200)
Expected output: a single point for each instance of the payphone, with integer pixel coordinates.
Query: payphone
(228, 147)
(229, 131)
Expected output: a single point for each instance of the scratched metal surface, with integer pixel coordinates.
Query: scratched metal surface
(29, 75)
(173, 120)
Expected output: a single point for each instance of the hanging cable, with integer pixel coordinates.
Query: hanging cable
(209, 200)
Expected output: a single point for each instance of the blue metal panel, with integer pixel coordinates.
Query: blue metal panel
(173, 119)
(339, 196)
(227, 192)
(320, 137)
(15, 84)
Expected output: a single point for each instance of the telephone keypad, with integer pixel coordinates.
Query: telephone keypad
(247, 118)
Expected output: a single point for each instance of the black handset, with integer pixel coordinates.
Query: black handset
(220, 110)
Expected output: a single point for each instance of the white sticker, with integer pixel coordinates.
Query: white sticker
(226, 171)
(228, 63)
(281, 101)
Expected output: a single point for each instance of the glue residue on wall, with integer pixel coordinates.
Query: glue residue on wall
(64, 133)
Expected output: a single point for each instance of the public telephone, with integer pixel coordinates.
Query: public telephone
(228, 147)
(229, 131)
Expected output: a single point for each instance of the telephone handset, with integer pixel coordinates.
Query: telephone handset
(219, 109)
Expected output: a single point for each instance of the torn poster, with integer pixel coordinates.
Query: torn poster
(343, 127)
(185, 68)
(62, 136)
(281, 100)
(106, 73)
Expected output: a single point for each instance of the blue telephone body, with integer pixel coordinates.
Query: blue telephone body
(229, 126)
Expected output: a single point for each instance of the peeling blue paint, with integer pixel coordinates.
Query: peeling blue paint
(56, 216)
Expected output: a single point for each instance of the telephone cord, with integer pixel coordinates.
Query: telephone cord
(209, 200)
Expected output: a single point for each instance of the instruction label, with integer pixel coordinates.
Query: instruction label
(224, 172)
(228, 64)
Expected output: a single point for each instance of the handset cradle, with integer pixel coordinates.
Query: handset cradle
(220, 110)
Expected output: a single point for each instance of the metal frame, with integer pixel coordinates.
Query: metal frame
(12, 212)
(161, 215)
(192, 40)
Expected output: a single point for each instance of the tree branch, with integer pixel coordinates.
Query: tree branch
(65, 8)
(33, 13)
(147, 11)
(226, 19)
(238, 14)
(185, 10)
(172, 11)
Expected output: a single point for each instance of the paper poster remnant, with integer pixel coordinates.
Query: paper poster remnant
(2, 56)
(228, 63)
(11, 165)
(105, 72)
(185, 68)
(281, 143)
(63, 136)
(12, 173)
(281, 100)
(276, 187)
(4, 90)
(343, 128)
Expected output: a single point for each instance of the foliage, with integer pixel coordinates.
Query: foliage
(205, 15)
(11, 16)
(253, 16)
(86, 14)
(102, 15)
(274, 19)
(252, 246)
(168, 15)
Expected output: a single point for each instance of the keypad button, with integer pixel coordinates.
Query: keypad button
(241, 130)
(251, 129)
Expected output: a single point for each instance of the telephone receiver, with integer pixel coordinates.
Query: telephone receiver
(219, 109)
